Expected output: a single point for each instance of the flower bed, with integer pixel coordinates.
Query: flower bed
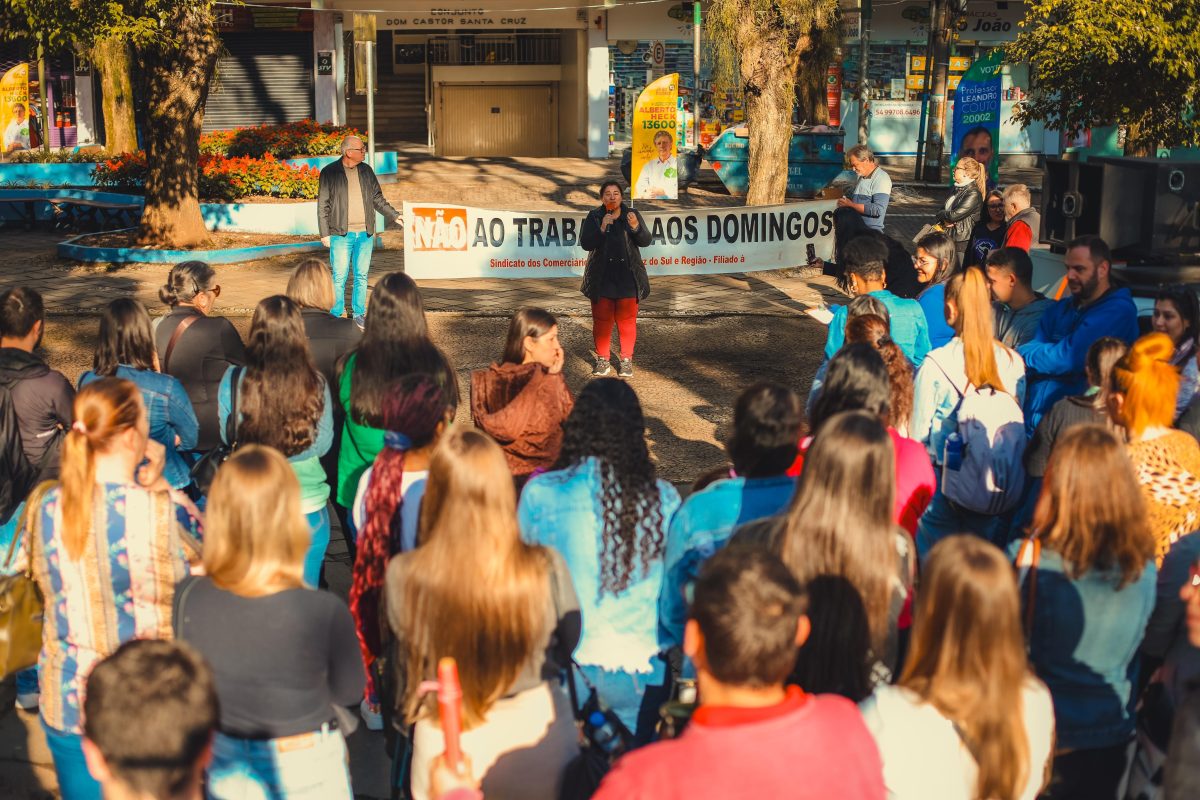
(305, 137)
(222, 179)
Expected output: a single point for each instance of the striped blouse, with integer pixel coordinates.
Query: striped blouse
(121, 588)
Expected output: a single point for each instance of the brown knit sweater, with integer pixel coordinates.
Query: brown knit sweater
(1168, 470)
(522, 406)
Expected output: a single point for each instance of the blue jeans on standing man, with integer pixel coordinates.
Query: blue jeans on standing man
(353, 248)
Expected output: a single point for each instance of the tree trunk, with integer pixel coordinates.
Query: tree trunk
(812, 105)
(767, 80)
(111, 59)
(178, 75)
(1137, 144)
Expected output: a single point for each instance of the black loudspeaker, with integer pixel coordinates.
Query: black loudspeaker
(1143, 207)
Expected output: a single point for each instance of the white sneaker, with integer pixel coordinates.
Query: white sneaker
(29, 702)
(371, 716)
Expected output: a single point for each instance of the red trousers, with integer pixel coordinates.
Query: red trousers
(624, 313)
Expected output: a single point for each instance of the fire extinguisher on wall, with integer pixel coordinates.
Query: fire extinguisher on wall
(833, 94)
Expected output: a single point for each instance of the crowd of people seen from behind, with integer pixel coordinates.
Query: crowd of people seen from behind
(964, 563)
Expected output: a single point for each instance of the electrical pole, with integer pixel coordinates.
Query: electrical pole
(939, 35)
(696, 73)
(864, 96)
(42, 102)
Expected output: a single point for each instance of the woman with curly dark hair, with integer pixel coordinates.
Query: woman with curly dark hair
(284, 403)
(604, 509)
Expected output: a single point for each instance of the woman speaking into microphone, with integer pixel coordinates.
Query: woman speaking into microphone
(615, 279)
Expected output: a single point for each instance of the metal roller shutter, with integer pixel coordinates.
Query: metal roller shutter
(263, 78)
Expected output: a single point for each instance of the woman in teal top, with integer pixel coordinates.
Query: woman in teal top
(395, 343)
(283, 403)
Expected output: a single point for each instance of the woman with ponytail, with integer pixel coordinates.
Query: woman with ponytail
(968, 719)
(388, 503)
(1167, 461)
(972, 360)
(506, 611)
(108, 545)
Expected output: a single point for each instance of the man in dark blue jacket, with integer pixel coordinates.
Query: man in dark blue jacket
(1054, 358)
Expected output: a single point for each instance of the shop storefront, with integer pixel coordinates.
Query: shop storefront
(896, 72)
(483, 81)
(70, 96)
(265, 74)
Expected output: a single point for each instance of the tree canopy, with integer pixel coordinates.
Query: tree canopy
(1114, 62)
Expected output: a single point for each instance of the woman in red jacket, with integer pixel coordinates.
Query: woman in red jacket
(521, 402)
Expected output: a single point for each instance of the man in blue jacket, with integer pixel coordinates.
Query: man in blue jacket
(1054, 358)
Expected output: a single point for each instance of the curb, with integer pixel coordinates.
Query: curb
(133, 255)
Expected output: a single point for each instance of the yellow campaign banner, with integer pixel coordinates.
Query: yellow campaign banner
(14, 109)
(654, 172)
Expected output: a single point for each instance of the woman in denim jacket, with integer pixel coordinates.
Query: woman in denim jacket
(605, 511)
(126, 350)
(1087, 580)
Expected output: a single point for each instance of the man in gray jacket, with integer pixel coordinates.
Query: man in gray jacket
(347, 199)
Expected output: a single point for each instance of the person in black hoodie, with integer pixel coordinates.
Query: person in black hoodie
(195, 347)
(615, 279)
(42, 397)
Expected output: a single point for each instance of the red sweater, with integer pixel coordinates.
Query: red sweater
(1019, 234)
(806, 748)
(915, 481)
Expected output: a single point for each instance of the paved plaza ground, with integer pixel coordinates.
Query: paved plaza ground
(701, 340)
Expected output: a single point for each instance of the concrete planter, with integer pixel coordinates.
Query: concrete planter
(81, 174)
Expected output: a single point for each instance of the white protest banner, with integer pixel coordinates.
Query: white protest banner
(446, 241)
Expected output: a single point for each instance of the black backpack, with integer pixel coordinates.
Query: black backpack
(17, 475)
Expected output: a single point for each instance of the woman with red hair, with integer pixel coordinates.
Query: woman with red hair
(1167, 461)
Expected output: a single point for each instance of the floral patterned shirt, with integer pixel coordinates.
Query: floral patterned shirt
(122, 586)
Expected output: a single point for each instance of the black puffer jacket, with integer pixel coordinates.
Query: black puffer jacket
(17, 475)
(592, 239)
(963, 212)
(44, 401)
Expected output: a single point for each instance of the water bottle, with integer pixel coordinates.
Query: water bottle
(604, 733)
(954, 451)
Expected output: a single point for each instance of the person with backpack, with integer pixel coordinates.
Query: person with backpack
(42, 397)
(967, 413)
(753, 735)
(606, 510)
